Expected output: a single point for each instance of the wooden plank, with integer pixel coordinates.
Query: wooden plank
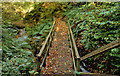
(102, 49)
(43, 47)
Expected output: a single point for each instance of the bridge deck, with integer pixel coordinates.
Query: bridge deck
(59, 60)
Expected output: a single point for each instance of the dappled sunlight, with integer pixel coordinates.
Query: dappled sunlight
(55, 39)
(57, 29)
(60, 37)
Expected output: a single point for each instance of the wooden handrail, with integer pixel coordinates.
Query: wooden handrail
(72, 54)
(98, 51)
(102, 49)
(73, 40)
(45, 43)
(93, 74)
(44, 51)
(75, 54)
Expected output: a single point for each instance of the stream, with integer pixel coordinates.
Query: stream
(22, 36)
(82, 64)
(82, 67)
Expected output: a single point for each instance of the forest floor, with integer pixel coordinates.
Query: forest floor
(59, 60)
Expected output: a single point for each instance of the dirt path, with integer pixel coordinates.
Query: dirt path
(59, 60)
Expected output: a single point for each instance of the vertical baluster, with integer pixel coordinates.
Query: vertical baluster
(78, 64)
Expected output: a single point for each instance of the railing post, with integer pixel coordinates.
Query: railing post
(44, 51)
(78, 64)
(75, 54)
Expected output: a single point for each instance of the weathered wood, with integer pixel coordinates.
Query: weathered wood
(93, 74)
(44, 59)
(75, 54)
(43, 47)
(72, 51)
(74, 44)
(73, 57)
(76, 61)
(44, 51)
(78, 64)
(102, 49)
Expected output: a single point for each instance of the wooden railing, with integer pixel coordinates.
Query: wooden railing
(75, 54)
(44, 51)
(102, 49)
(77, 58)
(99, 51)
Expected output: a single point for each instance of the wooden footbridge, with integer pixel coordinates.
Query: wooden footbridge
(76, 59)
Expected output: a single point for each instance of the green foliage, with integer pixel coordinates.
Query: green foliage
(15, 11)
(14, 58)
(38, 33)
(45, 10)
(18, 57)
(96, 27)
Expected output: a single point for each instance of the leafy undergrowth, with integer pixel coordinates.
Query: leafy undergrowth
(95, 26)
(37, 34)
(15, 59)
(18, 57)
